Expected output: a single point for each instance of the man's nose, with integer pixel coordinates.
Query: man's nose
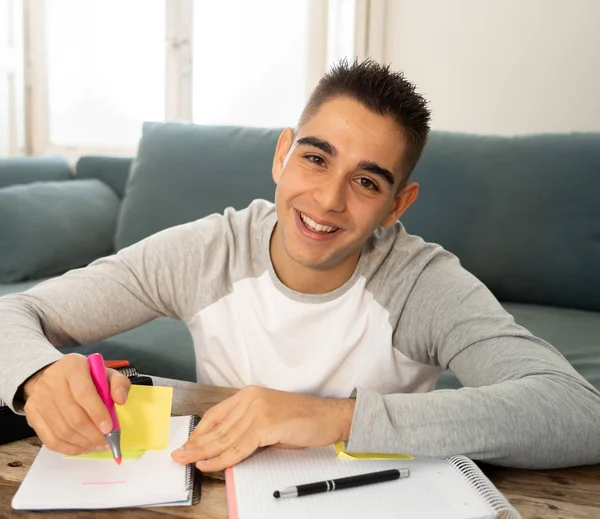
(331, 194)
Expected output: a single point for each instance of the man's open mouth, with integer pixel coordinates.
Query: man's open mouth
(315, 227)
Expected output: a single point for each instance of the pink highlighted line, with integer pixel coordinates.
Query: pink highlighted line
(103, 482)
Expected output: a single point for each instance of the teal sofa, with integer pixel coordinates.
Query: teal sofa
(522, 214)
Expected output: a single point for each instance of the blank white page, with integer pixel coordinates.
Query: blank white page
(54, 482)
(434, 488)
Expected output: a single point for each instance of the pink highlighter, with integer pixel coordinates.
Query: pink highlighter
(98, 373)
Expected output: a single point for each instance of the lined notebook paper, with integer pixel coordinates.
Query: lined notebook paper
(453, 488)
(54, 482)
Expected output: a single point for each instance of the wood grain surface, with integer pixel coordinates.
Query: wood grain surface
(553, 494)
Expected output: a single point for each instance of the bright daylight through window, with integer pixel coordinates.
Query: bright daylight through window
(250, 61)
(105, 64)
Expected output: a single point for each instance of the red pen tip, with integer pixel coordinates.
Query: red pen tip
(118, 460)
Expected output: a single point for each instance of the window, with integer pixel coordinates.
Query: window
(105, 66)
(251, 67)
(12, 91)
(100, 68)
(341, 30)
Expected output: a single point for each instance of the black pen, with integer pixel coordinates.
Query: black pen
(340, 483)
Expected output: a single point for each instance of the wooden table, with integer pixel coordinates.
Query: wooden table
(566, 493)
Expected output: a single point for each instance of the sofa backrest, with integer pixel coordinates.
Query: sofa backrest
(183, 172)
(521, 213)
(25, 170)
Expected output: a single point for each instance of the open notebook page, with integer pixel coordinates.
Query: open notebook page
(55, 482)
(434, 488)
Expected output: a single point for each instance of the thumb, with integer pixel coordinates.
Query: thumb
(119, 386)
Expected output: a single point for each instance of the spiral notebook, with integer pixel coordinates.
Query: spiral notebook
(453, 488)
(56, 483)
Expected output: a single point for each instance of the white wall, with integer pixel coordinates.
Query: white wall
(500, 66)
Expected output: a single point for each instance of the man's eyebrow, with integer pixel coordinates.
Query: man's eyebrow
(369, 165)
(324, 146)
(330, 149)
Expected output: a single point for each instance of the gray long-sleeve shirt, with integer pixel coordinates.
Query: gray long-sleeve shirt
(408, 312)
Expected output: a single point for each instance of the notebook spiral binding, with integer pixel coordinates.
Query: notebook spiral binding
(484, 487)
(193, 476)
(128, 371)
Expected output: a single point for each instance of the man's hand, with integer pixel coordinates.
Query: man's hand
(257, 417)
(63, 406)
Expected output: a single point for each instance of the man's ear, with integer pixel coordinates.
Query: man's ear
(404, 199)
(284, 144)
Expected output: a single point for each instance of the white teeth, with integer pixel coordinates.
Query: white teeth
(315, 226)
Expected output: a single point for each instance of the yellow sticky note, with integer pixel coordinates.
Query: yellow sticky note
(145, 418)
(107, 455)
(340, 450)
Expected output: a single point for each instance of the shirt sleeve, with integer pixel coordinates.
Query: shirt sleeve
(523, 404)
(155, 277)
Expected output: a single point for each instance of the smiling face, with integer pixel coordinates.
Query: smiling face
(336, 182)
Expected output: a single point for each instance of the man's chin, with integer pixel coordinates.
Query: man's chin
(319, 264)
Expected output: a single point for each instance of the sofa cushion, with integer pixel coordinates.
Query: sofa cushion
(47, 228)
(113, 171)
(23, 170)
(521, 213)
(575, 333)
(184, 172)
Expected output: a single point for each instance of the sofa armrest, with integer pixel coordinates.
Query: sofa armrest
(24, 170)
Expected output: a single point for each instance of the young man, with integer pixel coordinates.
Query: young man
(302, 303)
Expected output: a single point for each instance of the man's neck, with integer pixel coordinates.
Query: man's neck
(311, 282)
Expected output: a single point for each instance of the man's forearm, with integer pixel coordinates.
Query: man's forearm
(85, 305)
(542, 421)
(24, 349)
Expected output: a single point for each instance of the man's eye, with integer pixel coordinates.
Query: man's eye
(367, 183)
(315, 159)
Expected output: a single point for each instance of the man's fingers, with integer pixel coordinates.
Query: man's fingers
(215, 415)
(64, 408)
(232, 431)
(37, 422)
(76, 423)
(119, 386)
(70, 423)
(86, 395)
(67, 421)
(234, 454)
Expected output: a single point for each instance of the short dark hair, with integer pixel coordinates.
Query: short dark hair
(382, 91)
